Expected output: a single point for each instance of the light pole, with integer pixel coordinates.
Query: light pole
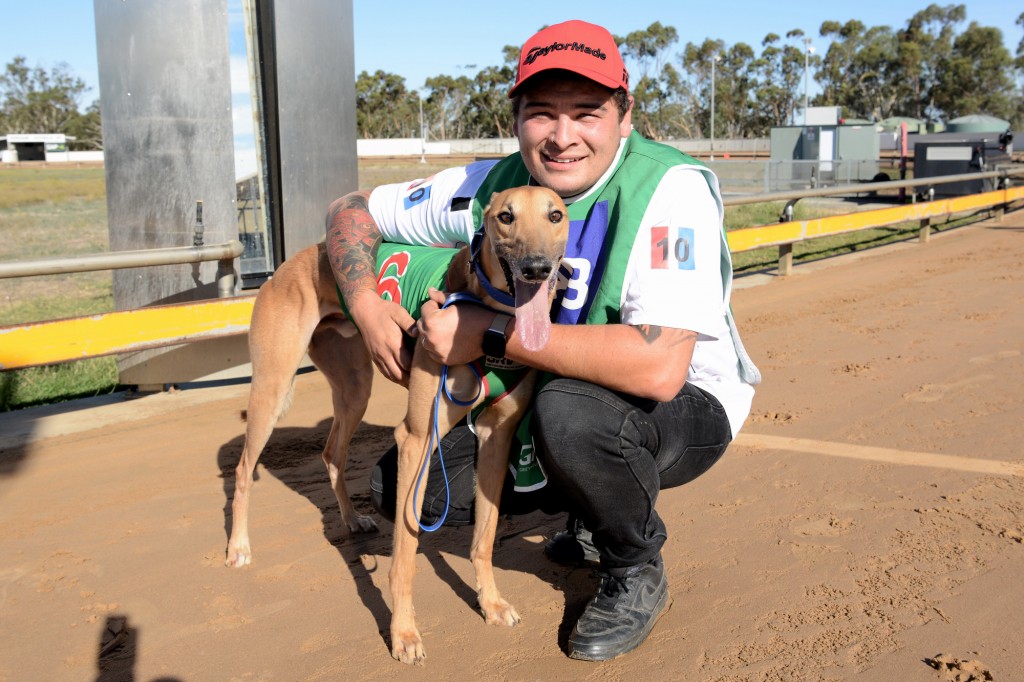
(808, 51)
(423, 139)
(714, 59)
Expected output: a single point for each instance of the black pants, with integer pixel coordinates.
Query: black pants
(606, 455)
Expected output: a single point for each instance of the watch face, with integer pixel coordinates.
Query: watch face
(494, 338)
(494, 344)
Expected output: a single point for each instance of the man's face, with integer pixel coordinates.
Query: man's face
(569, 133)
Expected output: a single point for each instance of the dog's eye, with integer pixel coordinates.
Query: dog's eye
(505, 217)
(555, 216)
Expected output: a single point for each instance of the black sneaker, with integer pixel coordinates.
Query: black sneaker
(573, 546)
(622, 614)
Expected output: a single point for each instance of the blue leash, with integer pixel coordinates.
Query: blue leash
(435, 436)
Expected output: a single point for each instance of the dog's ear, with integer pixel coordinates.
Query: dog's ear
(490, 202)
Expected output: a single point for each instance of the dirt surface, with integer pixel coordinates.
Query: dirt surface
(867, 524)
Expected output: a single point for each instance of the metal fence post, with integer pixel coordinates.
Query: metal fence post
(226, 278)
(785, 259)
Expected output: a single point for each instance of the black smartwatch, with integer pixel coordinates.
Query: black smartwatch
(494, 337)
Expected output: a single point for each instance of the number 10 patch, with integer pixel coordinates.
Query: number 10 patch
(672, 248)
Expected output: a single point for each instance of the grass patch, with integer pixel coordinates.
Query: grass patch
(48, 212)
(24, 186)
(374, 172)
(44, 385)
(750, 215)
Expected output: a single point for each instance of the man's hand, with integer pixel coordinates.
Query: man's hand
(383, 325)
(453, 335)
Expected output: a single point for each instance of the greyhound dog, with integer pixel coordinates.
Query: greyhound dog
(517, 252)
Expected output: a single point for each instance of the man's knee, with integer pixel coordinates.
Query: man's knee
(574, 418)
(557, 411)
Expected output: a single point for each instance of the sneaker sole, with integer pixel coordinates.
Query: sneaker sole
(608, 652)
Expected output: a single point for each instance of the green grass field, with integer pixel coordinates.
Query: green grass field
(47, 212)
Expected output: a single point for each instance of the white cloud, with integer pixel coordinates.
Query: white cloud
(245, 160)
(239, 75)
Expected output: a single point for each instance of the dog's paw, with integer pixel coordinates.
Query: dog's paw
(500, 612)
(238, 557)
(407, 647)
(363, 524)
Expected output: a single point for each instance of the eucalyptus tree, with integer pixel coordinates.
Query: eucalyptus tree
(645, 53)
(34, 100)
(779, 72)
(925, 45)
(975, 77)
(447, 106)
(383, 105)
(859, 69)
(697, 61)
(489, 113)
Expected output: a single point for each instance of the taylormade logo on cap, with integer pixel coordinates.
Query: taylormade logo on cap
(583, 48)
(536, 52)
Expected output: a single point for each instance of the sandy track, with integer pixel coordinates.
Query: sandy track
(870, 517)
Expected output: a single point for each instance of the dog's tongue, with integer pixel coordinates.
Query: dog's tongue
(532, 314)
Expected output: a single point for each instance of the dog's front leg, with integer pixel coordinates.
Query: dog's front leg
(495, 429)
(412, 437)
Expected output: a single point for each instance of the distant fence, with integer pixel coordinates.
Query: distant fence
(40, 343)
(783, 175)
(499, 146)
(502, 146)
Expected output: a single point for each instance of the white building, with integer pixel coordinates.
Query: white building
(50, 147)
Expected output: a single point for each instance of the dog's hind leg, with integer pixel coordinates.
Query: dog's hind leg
(276, 348)
(346, 365)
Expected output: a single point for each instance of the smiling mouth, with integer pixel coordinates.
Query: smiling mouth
(551, 159)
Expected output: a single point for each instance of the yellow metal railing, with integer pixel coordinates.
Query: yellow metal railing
(77, 338)
(784, 235)
(43, 343)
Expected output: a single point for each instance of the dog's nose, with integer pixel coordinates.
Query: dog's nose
(535, 268)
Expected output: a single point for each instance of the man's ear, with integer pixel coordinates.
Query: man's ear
(515, 127)
(626, 124)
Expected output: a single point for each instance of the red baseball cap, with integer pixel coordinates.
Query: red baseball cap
(586, 49)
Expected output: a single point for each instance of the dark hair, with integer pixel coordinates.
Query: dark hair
(620, 94)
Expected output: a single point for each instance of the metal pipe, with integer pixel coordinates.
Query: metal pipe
(714, 58)
(807, 73)
(225, 278)
(120, 260)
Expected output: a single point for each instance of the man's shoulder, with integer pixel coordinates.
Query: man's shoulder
(642, 149)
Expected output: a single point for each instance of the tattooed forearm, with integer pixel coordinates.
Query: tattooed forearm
(674, 337)
(648, 332)
(352, 241)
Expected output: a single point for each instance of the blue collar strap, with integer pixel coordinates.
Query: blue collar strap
(474, 254)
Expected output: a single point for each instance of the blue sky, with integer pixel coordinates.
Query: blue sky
(418, 40)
